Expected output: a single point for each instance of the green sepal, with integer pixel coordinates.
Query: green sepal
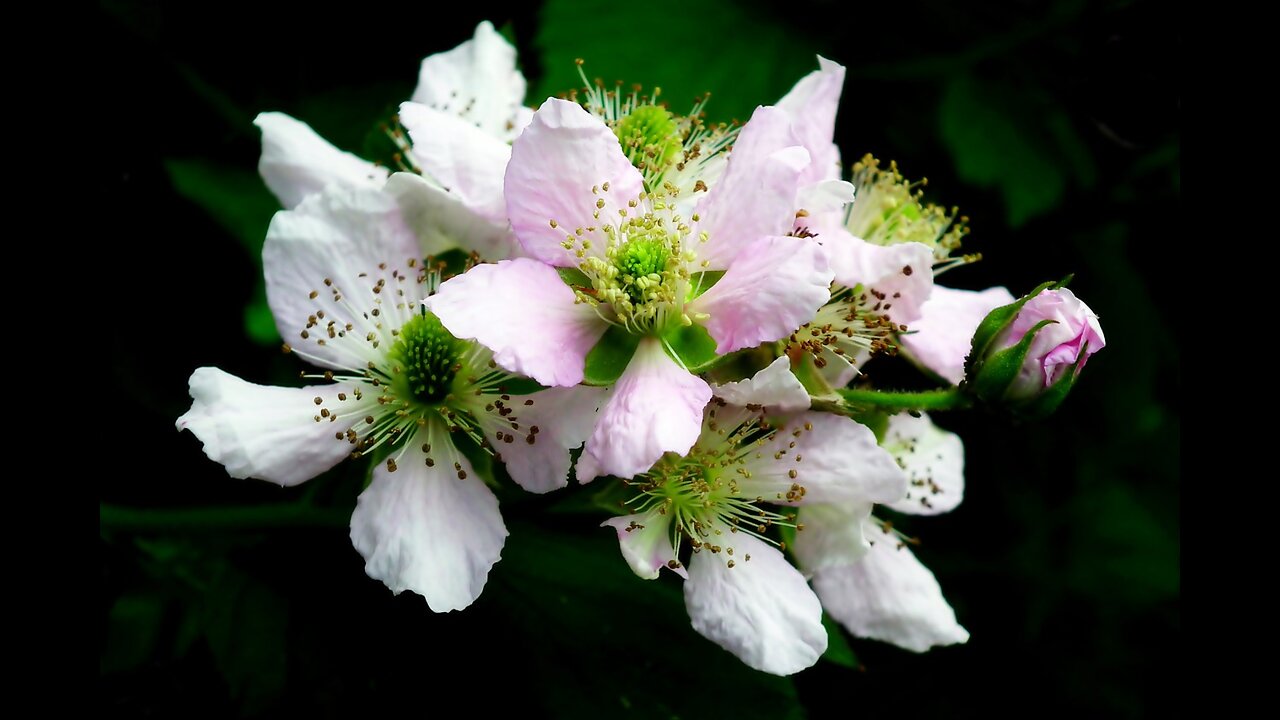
(574, 277)
(998, 371)
(1046, 402)
(521, 386)
(992, 325)
(610, 357)
(693, 347)
(701, 282)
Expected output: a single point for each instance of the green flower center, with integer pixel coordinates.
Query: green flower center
(650, 137)
(641, 258)
(426, 358)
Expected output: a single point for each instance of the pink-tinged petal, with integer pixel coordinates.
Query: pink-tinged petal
(773, 287)
(270, 433)
(775, 387)
(826, 198)
(323, 258)
(433, 530)
(901, 274)
(555, 164)
(522, 311)
(889, 595)
(760, 609)
(466, 160)
(552, 422)
(296, 162)
(756, 197)
(476, 82)
(442, 222)
(940, 340)
(588, 467)
(832, 536)
(645, 541)
(812, 106)
(933, 460)
(656, 407)
(1057, 347)
(831, 458)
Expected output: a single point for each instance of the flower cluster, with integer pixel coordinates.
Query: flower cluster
(642, 298)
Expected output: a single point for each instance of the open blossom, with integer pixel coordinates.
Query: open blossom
(718, 502)
(861, 568)
(657, 265)
(346, 281)
(462, 117)
(882, 275)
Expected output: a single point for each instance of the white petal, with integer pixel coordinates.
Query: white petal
(834, 460)
(342, 235)
(645, 541)
(477, 82)
(833, 535)
(539, 460)
(940, 340)
(426, 529)
(889, 596)
(442, 222)
(656, 407)
(933, 460)
(468, 162)
(296, 162)
(270, 433)
(812, 106)
(560, 166)
(757, 195)
(774, 387)
(902, 274)
(522, 311)
(773, 287)
(825, 196)
(760, 609)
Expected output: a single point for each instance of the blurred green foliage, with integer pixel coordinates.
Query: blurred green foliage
(1055, 128)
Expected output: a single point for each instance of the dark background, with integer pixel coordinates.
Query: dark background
(1056, 128)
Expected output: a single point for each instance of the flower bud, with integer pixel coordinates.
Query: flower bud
(1027, 355)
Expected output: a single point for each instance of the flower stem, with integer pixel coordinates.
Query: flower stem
(207, 519)
(944, 399)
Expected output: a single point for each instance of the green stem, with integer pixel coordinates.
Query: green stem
(945, 399)
(204, 519)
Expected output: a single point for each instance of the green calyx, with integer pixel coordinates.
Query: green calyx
(425, 357)
(650, 138)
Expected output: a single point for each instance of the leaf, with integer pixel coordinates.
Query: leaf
(749, 59)
(575, 600)
(839, 651)
(996, 135)
(245, 624)
(240, 202)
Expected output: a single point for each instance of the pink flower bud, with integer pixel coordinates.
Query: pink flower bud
(1058, 346)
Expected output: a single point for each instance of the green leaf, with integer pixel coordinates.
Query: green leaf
(609, 358)
(240, 202)
(749, 59)
(133, 629)
(573, 599)
(704, 281)
(839, 651)
(245, 624)
(996, 134)
(693, 347)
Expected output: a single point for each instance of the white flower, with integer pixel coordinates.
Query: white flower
(345, 281)
(740, 591)
(462, 118)
(863, 571)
